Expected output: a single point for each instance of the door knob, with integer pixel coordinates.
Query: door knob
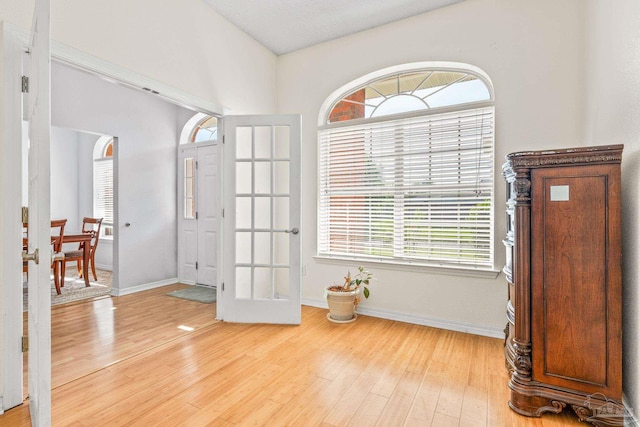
(294, 230)
(33, 256)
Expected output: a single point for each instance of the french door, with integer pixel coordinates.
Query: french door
(199, 211)
(262, 244)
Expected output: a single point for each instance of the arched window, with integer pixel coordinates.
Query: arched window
(205, 130)
(406, 168)
(103, 184)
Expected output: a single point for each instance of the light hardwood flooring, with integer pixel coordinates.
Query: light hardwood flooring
(123, 362)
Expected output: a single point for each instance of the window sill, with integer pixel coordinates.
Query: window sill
(413, 267)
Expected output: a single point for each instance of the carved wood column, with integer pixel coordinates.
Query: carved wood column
(522, 276)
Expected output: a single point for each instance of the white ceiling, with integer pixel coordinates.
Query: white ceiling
(287, 25)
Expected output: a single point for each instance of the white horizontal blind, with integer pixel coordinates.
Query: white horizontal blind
(103, 192)
(416, 189)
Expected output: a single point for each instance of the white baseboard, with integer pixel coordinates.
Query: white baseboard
(104, 267)
(144, 287)
(630, 419)
(418, 320)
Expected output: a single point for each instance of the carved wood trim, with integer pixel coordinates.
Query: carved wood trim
(555, 408)
(572, 156)
(522, 360)
(522, 186)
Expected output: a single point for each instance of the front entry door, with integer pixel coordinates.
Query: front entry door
(200, 213)
(262, 244)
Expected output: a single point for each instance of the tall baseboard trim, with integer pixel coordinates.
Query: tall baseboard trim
(418, 320)
(144, 287)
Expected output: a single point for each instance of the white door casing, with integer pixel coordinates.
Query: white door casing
(39, 117)
(262, 240)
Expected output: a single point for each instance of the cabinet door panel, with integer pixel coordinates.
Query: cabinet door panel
(573, 332)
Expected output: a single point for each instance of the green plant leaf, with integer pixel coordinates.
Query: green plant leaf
(366, 292)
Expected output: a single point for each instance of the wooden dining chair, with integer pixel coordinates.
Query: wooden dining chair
(57, 236)
(89, 225)
(25, 242)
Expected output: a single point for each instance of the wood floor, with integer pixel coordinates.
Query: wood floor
(124, 362)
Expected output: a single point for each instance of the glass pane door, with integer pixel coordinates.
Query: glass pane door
(262, 230)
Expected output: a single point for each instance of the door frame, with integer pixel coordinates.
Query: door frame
(11, 167)
(181, 249)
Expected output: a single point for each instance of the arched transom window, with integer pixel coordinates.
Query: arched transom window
(205, 130)
(406, 169)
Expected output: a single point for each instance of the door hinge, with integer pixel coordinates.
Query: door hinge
(223, 286)
(196, 265)
(196, 214)
(222, 213)
(196, 164)
(25, 84)
(223, 136)
(25, 344)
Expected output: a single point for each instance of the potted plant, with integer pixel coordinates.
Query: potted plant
(343, 299)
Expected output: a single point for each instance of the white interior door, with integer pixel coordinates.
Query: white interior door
(38, 112)
(208, 202)
(200, 194)
(262, 244)
(12, 51)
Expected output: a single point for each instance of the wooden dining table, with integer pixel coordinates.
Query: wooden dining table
(84, 240)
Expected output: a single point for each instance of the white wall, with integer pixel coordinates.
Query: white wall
(65, 177)
(533, 53)
(86, 142)
(182, 43)
(147, 129)
(613, 109)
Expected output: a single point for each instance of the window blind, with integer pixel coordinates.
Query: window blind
(414, 189)
(103, 191)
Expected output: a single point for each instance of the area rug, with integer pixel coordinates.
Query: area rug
(74, 289)
(201, 294)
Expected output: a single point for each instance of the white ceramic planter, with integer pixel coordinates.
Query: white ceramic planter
(341, 306)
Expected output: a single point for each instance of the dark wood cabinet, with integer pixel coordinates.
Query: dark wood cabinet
(563, 343)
